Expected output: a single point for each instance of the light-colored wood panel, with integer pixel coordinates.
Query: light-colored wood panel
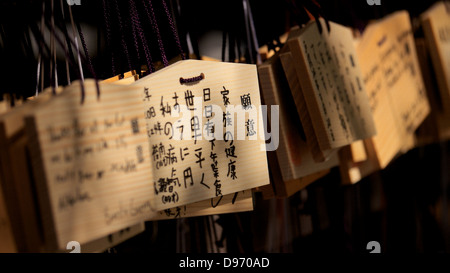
(394, 84)
(329, 73)
(186, 169)
(84, 203)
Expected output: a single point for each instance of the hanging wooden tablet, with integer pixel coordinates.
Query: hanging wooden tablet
(318, 154)
(294, 157)
(276, 92)
(91, 163)
(436, 28)
(394, 84)
(203, 151)
(8, 244)
(330, 77)
(18, 184)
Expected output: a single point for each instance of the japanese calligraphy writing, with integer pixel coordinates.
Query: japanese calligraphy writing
(197, 137)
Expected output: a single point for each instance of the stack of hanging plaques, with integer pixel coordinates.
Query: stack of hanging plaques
(101, 167)
(322, 72)
(292, 164)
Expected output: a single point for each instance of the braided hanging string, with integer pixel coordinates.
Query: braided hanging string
(88, 59)
(253, 33)
(86, 52)
(107, 17)
(66, 43)
(53, 74)
(122, 36)
(174, 30)
(135, 39)
(152, 18)
(137, 27)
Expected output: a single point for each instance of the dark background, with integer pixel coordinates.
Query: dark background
(18, 57)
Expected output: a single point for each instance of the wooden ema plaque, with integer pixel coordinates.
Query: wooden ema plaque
(235, 202)
(24, 209)
(436, 28)
(205, 149)
(91, 163)
(293, 153)
(330, 76)
(394, 84)
(318, 154)
(298, 97)
(31, 239)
